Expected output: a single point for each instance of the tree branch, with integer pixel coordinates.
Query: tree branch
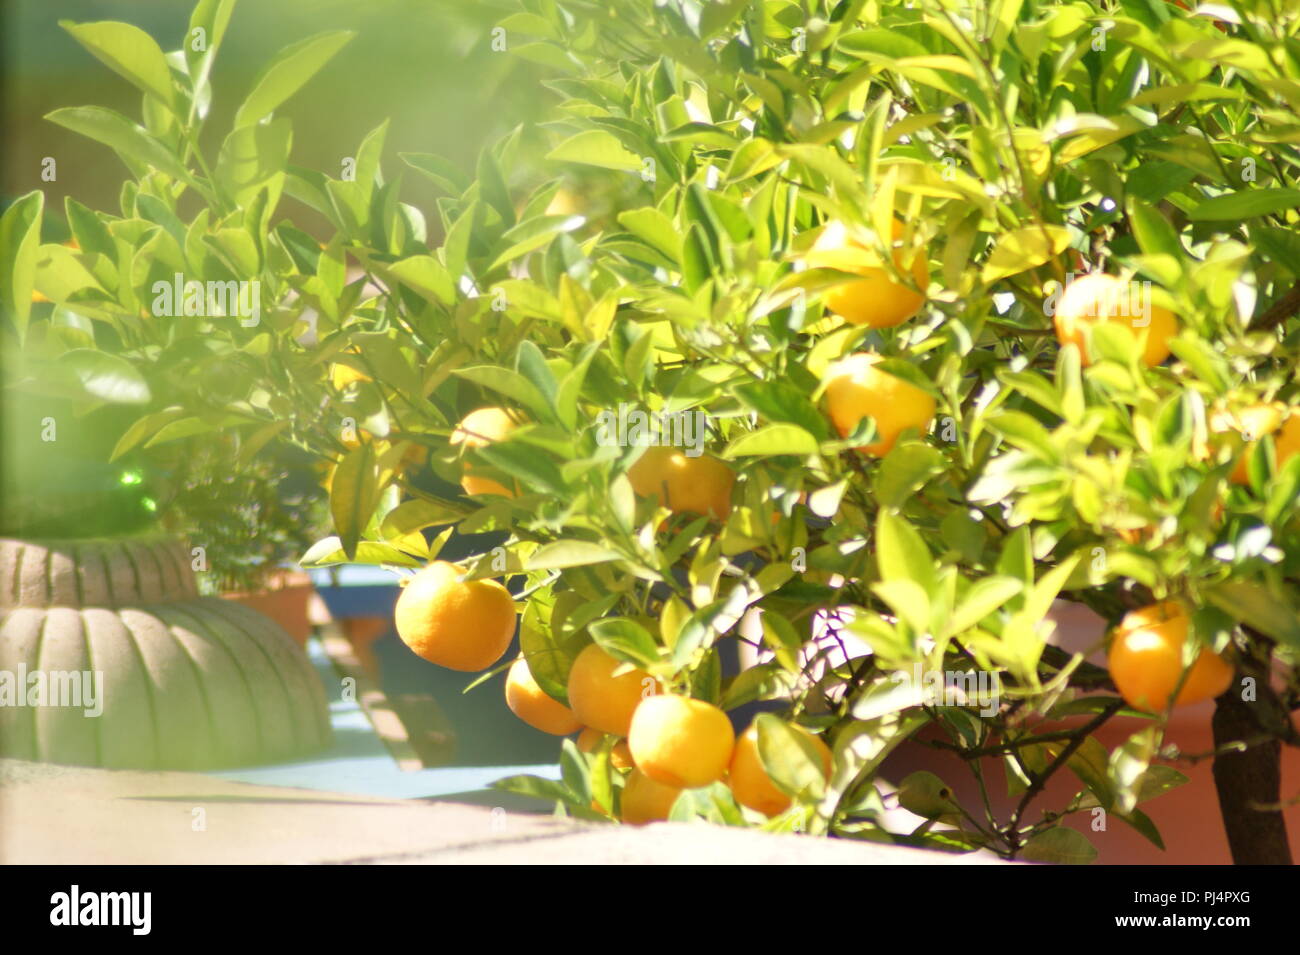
(1279, 311)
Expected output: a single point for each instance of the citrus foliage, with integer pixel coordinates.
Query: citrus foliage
(650, 244)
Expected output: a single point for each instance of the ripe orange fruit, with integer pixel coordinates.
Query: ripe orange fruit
(601, 700)
(875, 299)
(750, 782)
(1146, 660)
(620, 757)
(1253, 423)
(1287, 441)
(479, 429)
(1106, 298)
(679, 741)
(353, 438)
(414, 457)
(461, 625)
(566, 202)
(856, 389)
(699, 485)
(529, 702)
(645, 800)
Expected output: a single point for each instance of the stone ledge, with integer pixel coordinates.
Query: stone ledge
(73, 816)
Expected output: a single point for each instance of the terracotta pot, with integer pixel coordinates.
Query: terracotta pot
(287, 599)
(1187, 817)
(180, 681)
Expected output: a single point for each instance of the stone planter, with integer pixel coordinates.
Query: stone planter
(138, 670)
(287, 599)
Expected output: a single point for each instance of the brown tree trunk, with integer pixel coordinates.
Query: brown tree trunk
(1246, 779)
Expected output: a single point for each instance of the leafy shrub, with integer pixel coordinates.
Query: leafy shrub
(1012, 146)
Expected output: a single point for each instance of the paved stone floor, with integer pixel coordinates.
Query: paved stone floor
(73, 816)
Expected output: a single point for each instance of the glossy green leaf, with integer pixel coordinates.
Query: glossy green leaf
(287, 73)
(129, 52)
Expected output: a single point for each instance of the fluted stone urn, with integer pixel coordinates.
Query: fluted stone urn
(179, 681)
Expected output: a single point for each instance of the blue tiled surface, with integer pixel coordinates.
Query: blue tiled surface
(358, 762)
(487, 733)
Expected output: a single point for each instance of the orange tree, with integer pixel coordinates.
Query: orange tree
(839, 247)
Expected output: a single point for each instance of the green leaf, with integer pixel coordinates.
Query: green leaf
(1154, 234)
(548, 645)
(1089, 763)
(790, 758)
(1143, 824)
(549, 55)
(89, 230)
(1280, 245)
(535, 787)
(444, 173)
(143, 427)
(826, 162)
(20, 239)
(538, 471)
(1089, 133)
(1024, 249)
(425, 275)
(908, 599)
(718, 14)
(1247, 204)
(772, 439)
(703, 134)
(655, 229)
(129, 52)
(901, 553)
(372, 553)
(529, 23)
(288, 73)
(533, 234)
(697, 260)
(570, 554)
(596, 147)
(211, 17)
(107, 377)
(780, 401)
(1260, 607)
(1154, 180)
(754, 157)
(251, 156)
(354, 494)
(1129, 764)
(904, 471)
(888, 43)
(415, 515)
(131, 142)
(509, 383)
(1017, 559)
(178, 429)
(627, 640)
(1059, 845)
(984, 597)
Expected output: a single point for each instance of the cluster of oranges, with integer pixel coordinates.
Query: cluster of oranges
(665, 742)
